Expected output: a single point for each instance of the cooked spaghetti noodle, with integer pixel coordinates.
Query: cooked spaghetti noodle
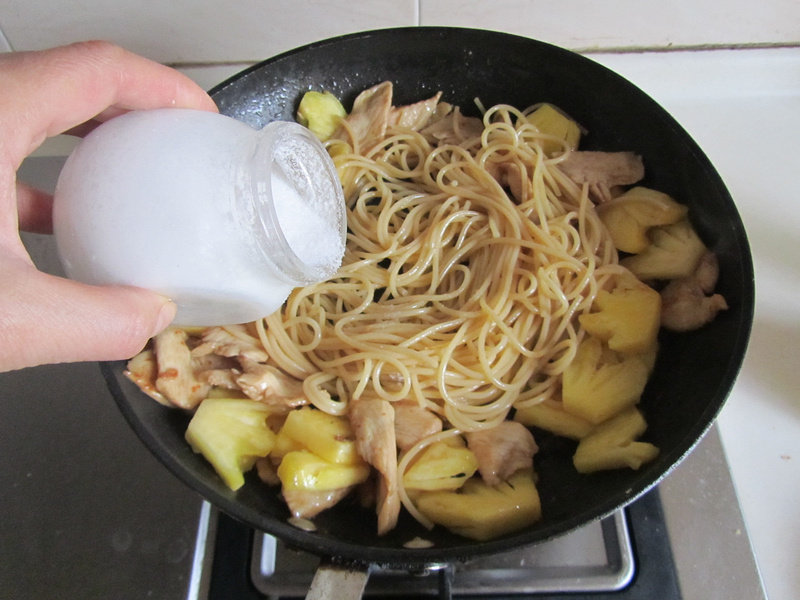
(452, 292)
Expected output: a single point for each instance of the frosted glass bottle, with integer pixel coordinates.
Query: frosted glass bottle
(224, 219)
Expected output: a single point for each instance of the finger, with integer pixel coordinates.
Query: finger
(35, 209)
(50, 320)
(57, 89)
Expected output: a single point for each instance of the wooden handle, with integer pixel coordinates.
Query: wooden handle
(339, 583)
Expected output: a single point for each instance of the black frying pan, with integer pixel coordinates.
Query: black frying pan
(694, 373)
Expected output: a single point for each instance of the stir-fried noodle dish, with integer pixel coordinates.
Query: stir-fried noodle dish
(496, 279)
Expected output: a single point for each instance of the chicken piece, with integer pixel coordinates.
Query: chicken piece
(176, 379)
(266, 471)
(706, 272)
(372, 422)
(221, 378)
(271, 386)
(231, 341)
(414, 116)
(502, 450)
(142, 370)
(413, 423)
(217, 371)
(603, 171)
(369, 118)
(449, 126)
(686, 304)
(212, 362)
(307, 505)
(511, 176)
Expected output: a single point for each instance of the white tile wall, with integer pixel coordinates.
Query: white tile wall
(210, 40)
(181, 31)
(203, 31)
(598, 24)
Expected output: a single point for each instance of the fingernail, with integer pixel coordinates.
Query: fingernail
(165, 315)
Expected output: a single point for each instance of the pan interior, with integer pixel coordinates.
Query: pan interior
(694, 372)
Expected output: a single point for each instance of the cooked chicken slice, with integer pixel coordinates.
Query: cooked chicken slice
(451, 127)
(706, 273)
(502, 450)
(266, 471)
(230, 341)
(603, 171)
(373, 426)
(511, 176)
(271, 386)
(212, 362)
(221, 378)
(142, 370)
(370, 116)
(413, 423)
(686, 303)
(308, 505)
(414, 116)
(176, 379)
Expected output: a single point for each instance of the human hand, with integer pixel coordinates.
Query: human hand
(44, 318)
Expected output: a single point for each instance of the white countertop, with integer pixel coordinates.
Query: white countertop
(743, 108)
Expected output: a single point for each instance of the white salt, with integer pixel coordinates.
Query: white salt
(315, 240)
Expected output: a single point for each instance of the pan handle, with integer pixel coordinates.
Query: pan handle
(347, 582)
(343, 582)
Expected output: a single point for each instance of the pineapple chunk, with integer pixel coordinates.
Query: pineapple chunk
(231, 434)
(599, 383)
(627, 318)
(630, 216)
(284, 444)
(321, 112)
(328, 436)
(481, 512)
(441, 467)
(674, 252)
(551, 121)
(551, 416)
(611, 445)
(305, 471)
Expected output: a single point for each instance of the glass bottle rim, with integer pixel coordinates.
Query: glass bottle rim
(279, 142)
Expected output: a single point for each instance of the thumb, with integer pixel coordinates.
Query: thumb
(49, 319)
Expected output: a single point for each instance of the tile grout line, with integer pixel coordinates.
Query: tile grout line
(686, 48)
(587, 50)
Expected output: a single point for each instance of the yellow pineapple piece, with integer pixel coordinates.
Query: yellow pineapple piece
(321, 112)
(551, 416)
(627, 318)
(599, 383)
(284, 444)
(674, 252)
(481, 512)
(611, 445)
(630, 216)
(328, 436)
(441, 467)
(551, 121)
(231, 434)
(216, 392)
(304, 470)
